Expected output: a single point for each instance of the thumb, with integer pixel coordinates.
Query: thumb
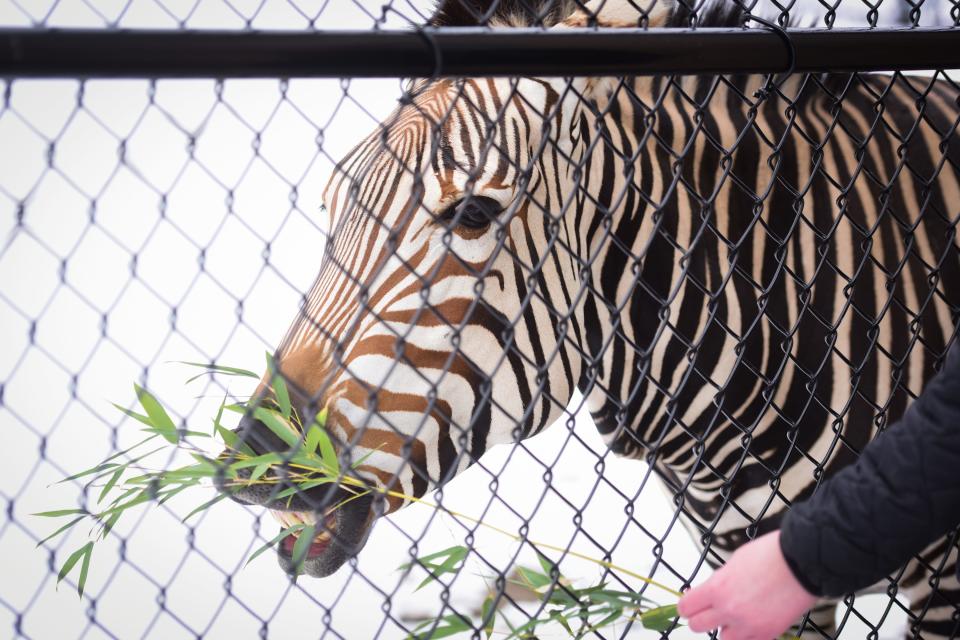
(696, 599)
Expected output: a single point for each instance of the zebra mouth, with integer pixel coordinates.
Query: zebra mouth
(338, 534)
(323, 531)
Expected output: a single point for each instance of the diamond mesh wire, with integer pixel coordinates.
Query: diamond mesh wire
(152, 221)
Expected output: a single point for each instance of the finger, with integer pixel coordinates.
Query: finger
(706, 620)
(696, 600)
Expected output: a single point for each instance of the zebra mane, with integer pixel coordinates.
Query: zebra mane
(546, 13)
(501, 13)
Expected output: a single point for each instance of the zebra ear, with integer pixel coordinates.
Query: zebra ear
(624, 13)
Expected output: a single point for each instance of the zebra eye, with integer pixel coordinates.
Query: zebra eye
(472, 212)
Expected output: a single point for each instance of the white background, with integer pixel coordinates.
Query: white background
(91, 167)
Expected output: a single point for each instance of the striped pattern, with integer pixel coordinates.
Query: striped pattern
(745, 291)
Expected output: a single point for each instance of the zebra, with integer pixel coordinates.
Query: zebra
(746, 280)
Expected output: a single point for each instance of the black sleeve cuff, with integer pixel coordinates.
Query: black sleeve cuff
(792, 541)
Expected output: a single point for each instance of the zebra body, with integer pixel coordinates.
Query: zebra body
(745, 290)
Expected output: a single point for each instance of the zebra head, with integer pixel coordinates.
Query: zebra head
(448, 313)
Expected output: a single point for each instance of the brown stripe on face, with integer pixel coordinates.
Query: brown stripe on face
(449, 313)
(307, 370)
(409, 447)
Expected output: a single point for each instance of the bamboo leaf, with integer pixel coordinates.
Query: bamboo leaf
(319, 440)
(445, 626)
(278, 425)
(557, 616)
(211, 368)
(159, 418)
(279, 384)
(60, 513)
(109, 523)
(111, 483)
(659, 619)
(61, 529)
(534, 579)
(185, 432)
(106, 466)
(233, 441)
(133, 414)
(269, 459)
(547, 565)
(453, 558)
(204, 506)
(84, 568)
(302, 546)
(82, 552)
(427, 560)
(280, 536)
(219, 416)
(356, 463)
(487, 615)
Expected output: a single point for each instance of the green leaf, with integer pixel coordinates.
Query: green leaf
(304, 486)
(219, 416)
(216, 368)
(84, 568)
(258, 471)
(61, 529)
(439, 554)
(356, 463)
(280, 536)
(547, 565)
(445, 626)
(159, 419)
(133, 414)
(302, 546)
(319, 440)
(104, 466)
(534, 579)
(615, 614)
(60, 513)
(206, 505)
(109, 523)
(453, 558)
(659, 619)
(83, 552)
(279, 384)
(616, 598)
(270, 459)
(557, 616)
(161, 499)
(233, 441)
(278, 425)
(144, 495)
(488, 615)
(111, 483)
(185, 432)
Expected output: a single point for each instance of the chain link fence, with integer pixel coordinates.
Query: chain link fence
(497, 257)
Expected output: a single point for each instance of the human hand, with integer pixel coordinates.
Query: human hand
(754, 596)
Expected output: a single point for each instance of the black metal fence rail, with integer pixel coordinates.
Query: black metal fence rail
(468, 52)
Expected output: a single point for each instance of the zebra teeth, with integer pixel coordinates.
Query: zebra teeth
(291, 518)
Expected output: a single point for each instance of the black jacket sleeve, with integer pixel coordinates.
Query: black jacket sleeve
(901, 494)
